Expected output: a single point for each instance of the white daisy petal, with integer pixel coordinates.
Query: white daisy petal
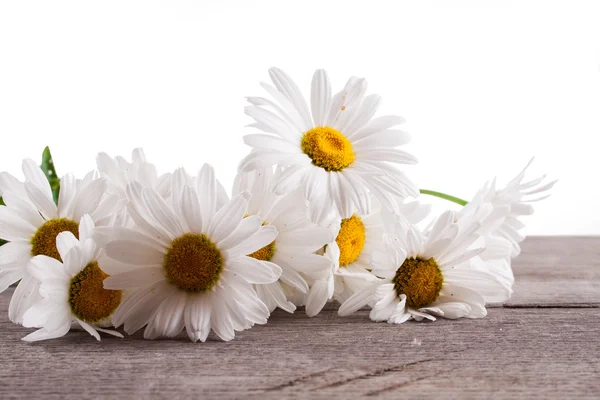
(10, 276)
(88, 198)
(44, 334)
(197, 317)
(89, 329)
(206, 184)
(228, 217)
(318, 294)
(35, 175)
(25, 295)
(286, 85)
(162, 212)
(260, 239)
(121, 250)
(42, 267)
(358, 300)
(254, 271)
(248, 227)
(320, 97)
(17, 251)
(13, 228)
(138, 277)
(65, 241)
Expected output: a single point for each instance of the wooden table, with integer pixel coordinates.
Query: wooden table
(544, 343)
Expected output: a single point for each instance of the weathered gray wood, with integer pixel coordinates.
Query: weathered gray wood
(545, 343)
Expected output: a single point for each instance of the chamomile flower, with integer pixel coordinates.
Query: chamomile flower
(186, 262)
(499, 211)
(356, 239)
(515, 199)
(72, 290)
(335, 150)
(294, 248)
(119, 172)
(420, 275)
(31, 221)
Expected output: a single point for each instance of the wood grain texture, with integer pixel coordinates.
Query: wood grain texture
(544, 343)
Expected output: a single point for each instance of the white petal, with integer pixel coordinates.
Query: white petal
(318, 294)
(89, 198)
(168, 321)
(289, 88)
(263, 141)
(25, 295)
(43, 267)
(206, 188)
(44, 334)
(136, 278)
(197, 316)
(228, 217)
(162, 212)
(133, 252)
(320, 97)
(264, 236)
(379, 124)
(248, 227)
(66, 195)
(65, 241)
(89, 329)
(293, 279)
(8, 277)
(221, 322)
(254, 271)
(12, 227)
(136, 310)
(15, 252)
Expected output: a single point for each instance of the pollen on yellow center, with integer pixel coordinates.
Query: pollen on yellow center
(193, 263)
(43, 241)
(88, 299)
(350, 240)
(265, 253)
(420, 280)
(328, 148)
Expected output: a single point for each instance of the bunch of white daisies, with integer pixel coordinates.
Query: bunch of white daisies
(318, 212)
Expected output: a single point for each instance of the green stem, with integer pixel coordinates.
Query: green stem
(444, 196)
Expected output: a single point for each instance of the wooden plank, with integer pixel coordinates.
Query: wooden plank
(546, 347)
(557, 271)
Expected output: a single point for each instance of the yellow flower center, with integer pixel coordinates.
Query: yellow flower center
(193, 263)
(328, 148)
(88, 299)
(350, 240)
(44, 240)
(420, 280)
(266, 253)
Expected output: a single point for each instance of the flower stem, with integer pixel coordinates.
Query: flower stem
(444, 196)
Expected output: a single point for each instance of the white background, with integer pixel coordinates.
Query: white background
(484, 85)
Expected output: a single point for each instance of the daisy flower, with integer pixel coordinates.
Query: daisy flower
(356, 239)
(420, 275)
(31, 221)
(335, 151)
(516, 198)
(186, 261)
(119, 173)
(72, 290)
(498, 211)
(294, 248)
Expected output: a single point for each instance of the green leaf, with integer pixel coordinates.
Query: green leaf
(50, 172)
